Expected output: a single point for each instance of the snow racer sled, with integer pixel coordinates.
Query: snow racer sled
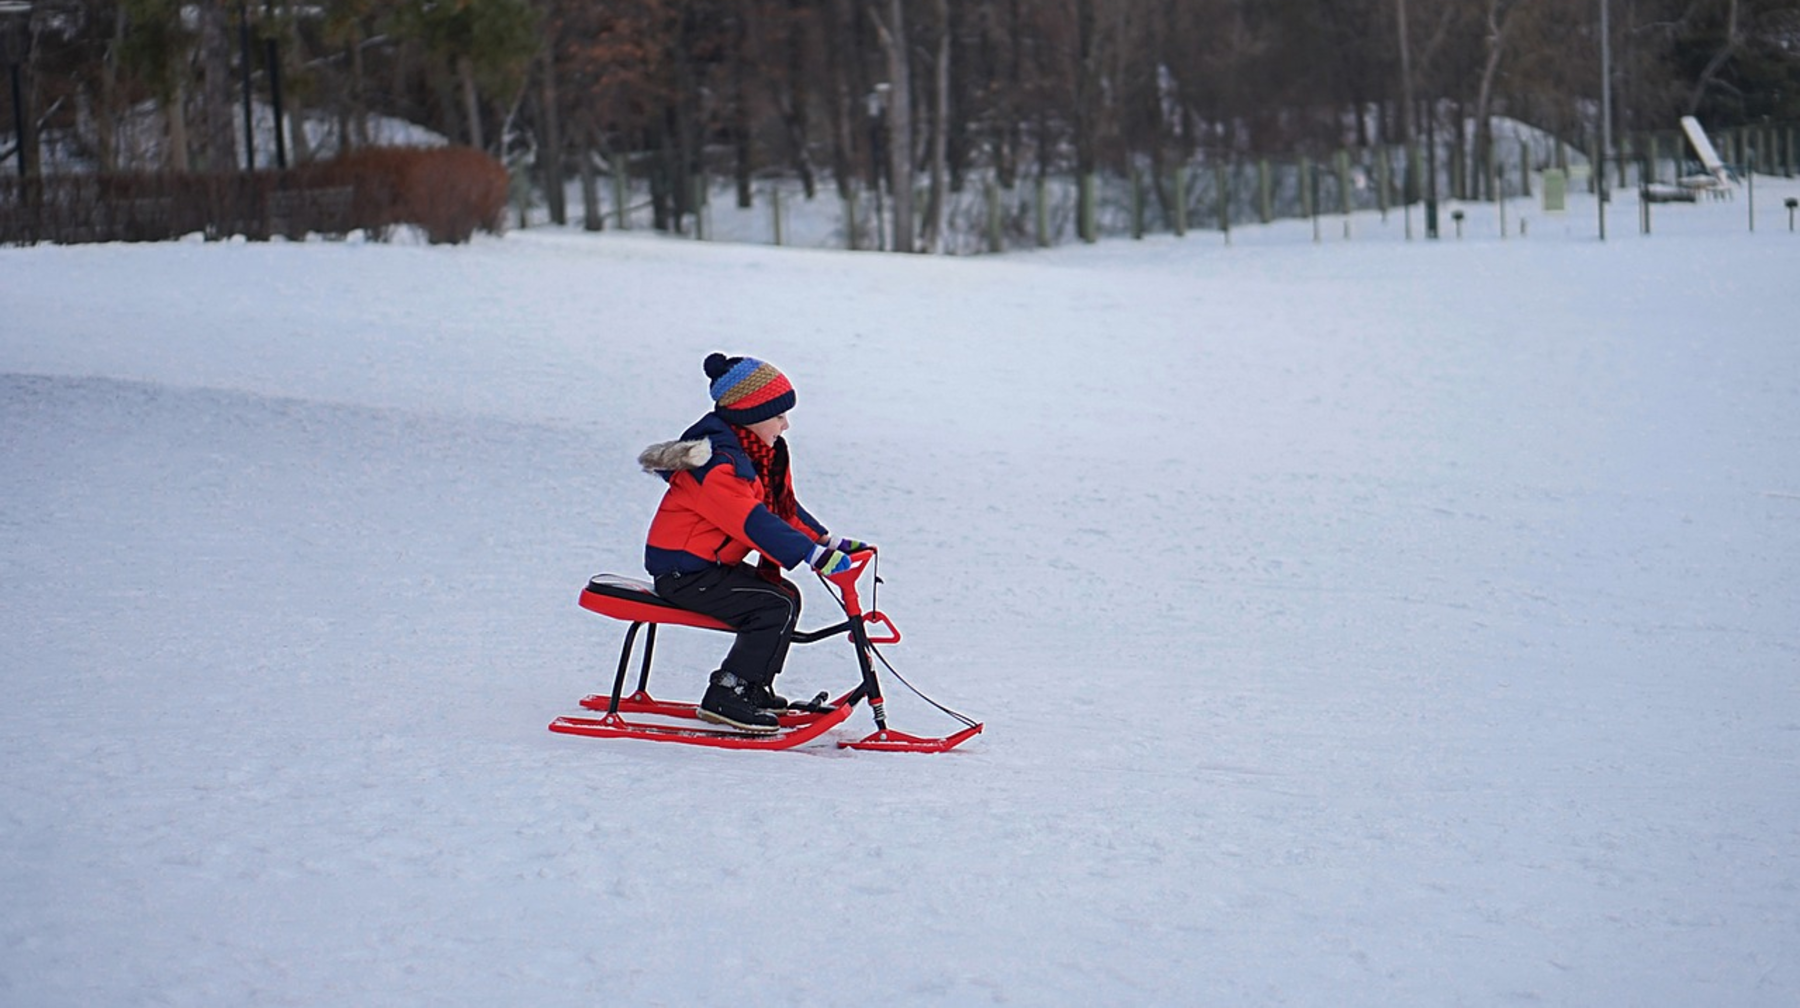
(635, 601)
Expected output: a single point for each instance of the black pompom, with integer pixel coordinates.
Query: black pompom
(717, 364)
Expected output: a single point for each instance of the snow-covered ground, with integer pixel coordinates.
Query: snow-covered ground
(1355, 623)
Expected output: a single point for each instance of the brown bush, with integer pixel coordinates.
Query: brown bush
(446, 191)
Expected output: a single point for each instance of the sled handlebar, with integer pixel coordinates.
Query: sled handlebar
(847, 578)
(846, 584)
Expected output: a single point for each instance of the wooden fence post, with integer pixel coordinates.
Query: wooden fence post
(621, 191)
(1306, 193)
(1137, 205)
(697, 185)
(1043, 213)
(993, 217)
(1266, 198)
(852, 226)
(1222, 178)
(1181, 201)
(1089, 218)
(1384, 174)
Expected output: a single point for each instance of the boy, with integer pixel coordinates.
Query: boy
(731, 492)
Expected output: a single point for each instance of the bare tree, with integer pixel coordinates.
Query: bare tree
(218, 135)
(940, 130)
(899, 117)
(1728, 47)
(1499, 19)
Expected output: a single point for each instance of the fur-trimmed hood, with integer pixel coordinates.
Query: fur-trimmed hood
(697, 447)
(668, 457)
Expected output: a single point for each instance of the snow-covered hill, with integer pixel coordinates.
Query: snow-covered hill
(1363, 623)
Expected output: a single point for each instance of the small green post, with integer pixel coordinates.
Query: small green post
(1556, 190)
(775, 212)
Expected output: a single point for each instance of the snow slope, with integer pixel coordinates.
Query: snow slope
(1362, 623)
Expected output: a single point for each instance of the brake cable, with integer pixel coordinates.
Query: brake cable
(874, 592)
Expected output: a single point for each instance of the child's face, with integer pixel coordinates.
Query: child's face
(769, 429)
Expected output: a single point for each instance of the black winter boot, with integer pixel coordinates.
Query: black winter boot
(765, 698)
(728, 702)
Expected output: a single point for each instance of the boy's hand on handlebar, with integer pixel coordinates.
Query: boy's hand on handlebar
(829, 561)
(846, 545)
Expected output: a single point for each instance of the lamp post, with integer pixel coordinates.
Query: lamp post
(16, 37)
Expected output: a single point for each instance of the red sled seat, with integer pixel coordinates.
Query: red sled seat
(634, 600)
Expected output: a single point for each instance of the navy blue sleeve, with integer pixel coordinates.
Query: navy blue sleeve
(817, 526)
(776, 539)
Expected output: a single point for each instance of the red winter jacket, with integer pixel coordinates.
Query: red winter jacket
(713, 512)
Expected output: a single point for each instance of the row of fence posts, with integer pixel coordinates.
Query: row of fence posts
(1328, 186)
(1322, 186)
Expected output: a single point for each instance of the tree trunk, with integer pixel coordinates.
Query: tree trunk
(465, 72)
(794, 103)
(743, 163)
(940, 132)
(592, 219)
(106, 116)
(1734, 38)
(1498, 24)
(844, 108)
(218, 135)
(1408, 129)
(899, 108)
(176, 109)
(550, 155)
(359, 107)
(1087, 99)
(299, 144)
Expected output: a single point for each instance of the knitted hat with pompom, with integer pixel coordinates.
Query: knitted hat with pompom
(746, 390)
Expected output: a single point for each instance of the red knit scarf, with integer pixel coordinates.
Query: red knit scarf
(771, 462)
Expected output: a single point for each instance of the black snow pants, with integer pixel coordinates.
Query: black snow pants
(763, 612)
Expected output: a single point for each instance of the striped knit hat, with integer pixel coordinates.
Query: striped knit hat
(746, 390)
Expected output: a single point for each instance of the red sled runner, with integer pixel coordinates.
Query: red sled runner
(635, 601)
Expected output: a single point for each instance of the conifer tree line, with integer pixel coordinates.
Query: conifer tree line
(856, 93)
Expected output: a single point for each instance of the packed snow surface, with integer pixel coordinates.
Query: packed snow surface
(1355, 622)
